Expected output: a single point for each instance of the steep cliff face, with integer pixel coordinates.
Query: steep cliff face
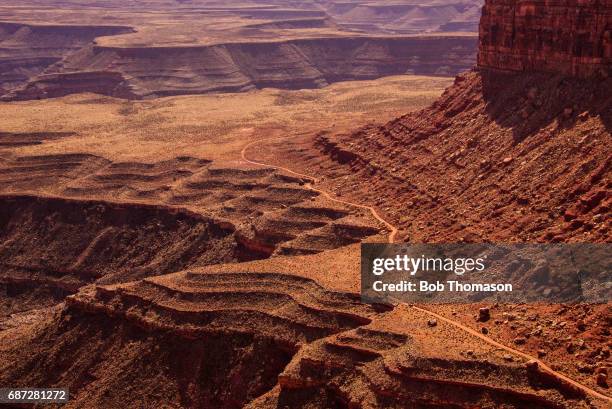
(563, 36)
(518, 149)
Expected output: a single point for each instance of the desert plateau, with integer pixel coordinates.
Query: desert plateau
(186, 187)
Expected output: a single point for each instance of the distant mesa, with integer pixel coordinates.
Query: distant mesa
(234, 67)
(230, 49)
(29, 50)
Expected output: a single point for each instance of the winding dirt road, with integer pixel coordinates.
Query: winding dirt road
(390, 228)
(391, 239)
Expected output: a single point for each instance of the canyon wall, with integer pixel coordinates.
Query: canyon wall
(141, 72)
(571, 37)
(26, 50)
(513, 151)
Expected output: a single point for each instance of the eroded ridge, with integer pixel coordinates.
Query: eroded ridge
(384, 364)
(73, 219)
(267, 339)
(212, 340)
(51, 246)
(498, 157)
(273, 213)
(280, 306)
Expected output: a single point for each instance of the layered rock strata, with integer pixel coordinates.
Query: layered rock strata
(570, 37)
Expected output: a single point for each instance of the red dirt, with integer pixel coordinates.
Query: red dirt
(227, 283)
(499, 157)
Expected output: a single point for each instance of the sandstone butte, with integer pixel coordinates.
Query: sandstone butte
(571, 37)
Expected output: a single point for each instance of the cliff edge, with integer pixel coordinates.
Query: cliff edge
(517, 149)
(571, 37)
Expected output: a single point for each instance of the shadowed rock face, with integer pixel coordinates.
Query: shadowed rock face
(490, 146)
(201, 215)
(569, 37)
(499, 156)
